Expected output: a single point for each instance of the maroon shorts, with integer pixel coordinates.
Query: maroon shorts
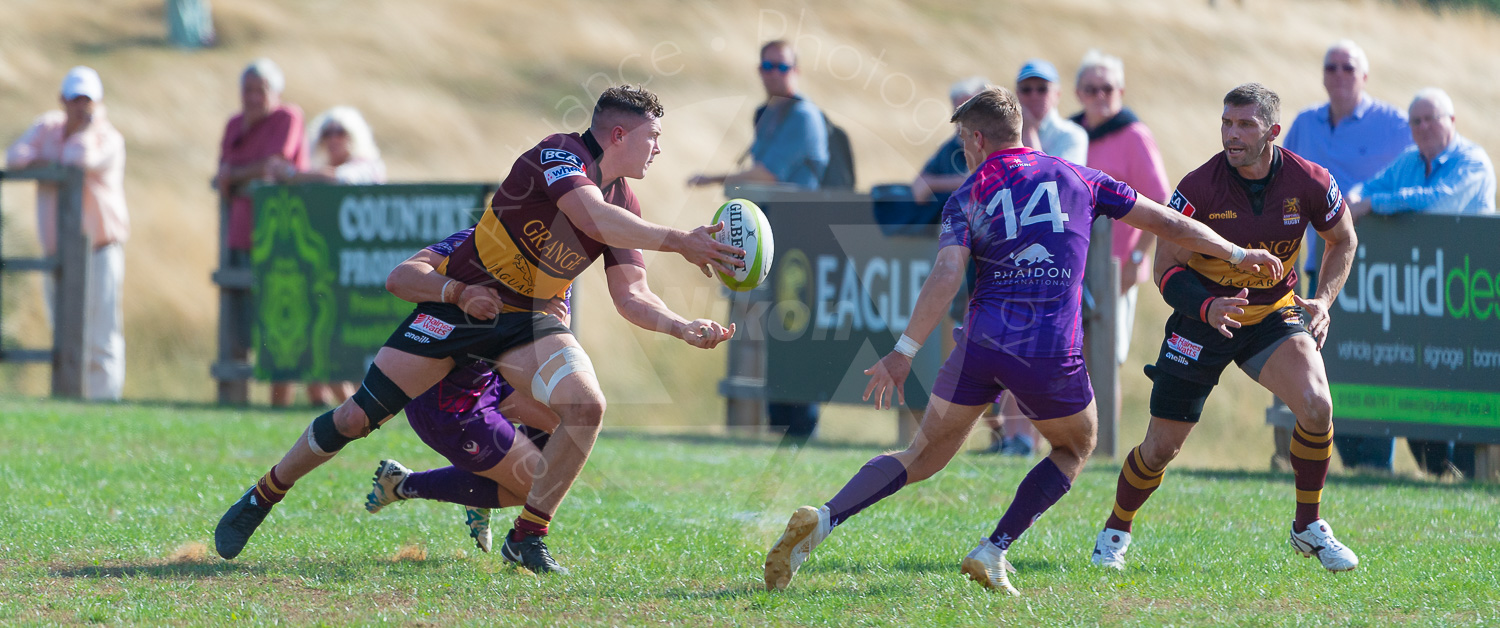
(1046, 388)
(474, 441)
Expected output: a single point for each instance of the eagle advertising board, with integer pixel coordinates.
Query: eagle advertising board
(1414, 345)
(320, 257)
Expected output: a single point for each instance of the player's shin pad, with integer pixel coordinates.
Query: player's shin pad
(379, 397)
(1181, 289)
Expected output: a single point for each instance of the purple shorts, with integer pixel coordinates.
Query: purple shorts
(475, 440)
(1047, 388)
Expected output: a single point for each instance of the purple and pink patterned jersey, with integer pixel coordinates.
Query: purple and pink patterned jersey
(1025, 218)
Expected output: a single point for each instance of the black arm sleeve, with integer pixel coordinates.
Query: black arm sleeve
(1181, 289)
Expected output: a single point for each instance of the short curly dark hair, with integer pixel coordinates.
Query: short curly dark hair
(1267, 103)
(631, 99)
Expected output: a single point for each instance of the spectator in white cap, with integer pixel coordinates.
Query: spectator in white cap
(81, 136)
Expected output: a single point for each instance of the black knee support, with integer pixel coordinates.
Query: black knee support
(324, 437)
(1175, 398)
(379, 397)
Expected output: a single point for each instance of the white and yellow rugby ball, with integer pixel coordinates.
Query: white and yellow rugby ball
(746, 227)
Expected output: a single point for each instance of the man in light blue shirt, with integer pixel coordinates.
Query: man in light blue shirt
(1354, 136)
(1444, 173)
(791, 137)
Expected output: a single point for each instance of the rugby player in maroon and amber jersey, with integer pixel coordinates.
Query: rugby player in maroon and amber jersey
(1024, 217)
(1254, 194)
(557, 211)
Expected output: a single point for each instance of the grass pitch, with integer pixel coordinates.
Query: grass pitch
(106, 515)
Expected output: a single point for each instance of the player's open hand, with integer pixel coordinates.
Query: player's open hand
(1316, 311)
(1223, 308)
(706, 334)
(702, 250)
(887, 374)
(479, 302)
(1261, 261)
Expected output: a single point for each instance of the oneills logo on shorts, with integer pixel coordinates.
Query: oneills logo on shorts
(471, 447)
(432, 326)
(1184, 346)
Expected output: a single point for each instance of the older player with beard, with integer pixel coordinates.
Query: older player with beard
(1024, 217)
(1252, 192)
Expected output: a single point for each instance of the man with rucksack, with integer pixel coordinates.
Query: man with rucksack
(795, 145)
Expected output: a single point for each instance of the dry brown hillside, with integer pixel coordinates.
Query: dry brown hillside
(454, 88)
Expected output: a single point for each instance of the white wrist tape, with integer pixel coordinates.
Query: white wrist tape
(908, 347)
(1237, 255)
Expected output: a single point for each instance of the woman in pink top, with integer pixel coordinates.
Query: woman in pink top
(259, 142)
(1122, 147)
(81, 136)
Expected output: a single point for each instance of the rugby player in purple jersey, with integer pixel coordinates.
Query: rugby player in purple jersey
(467, 418)
(1024, 217)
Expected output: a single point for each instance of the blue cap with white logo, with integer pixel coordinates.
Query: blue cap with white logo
(1037, 68)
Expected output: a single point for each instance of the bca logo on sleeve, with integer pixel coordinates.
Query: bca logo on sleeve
(562, 172)
(1335, 200)
(1181, 204)
(558, 155)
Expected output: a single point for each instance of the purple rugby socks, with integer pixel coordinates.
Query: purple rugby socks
(881, 477)
(452, 484)
(1043, 486)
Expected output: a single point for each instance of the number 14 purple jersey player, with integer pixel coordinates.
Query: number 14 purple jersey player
(1024, 218)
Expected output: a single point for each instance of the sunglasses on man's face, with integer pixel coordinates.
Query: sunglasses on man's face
(1333, 67)
(769, 66)
(1029, 90)
(1095, 90)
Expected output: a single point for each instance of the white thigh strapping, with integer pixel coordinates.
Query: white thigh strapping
(574, 361)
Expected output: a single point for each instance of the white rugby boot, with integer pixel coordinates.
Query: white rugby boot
(1109, 548)
(478, 520)
(388, 478)
(1317, 540)
(986, 565)
(807, 528)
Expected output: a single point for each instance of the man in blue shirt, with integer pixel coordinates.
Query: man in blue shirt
(946, 170)
(1444, 173)
(1354, 136)
(790, 147)
(791, 139)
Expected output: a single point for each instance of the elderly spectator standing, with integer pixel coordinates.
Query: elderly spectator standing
(1043, 129)
(1354, 136)
(791, 148)
(258, 142)
(1444, 173)
(81, 136)
(343, 151)
(1122, 147)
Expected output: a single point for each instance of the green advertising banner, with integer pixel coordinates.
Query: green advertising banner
(320, 257)
(842, 293)
(1415, 339)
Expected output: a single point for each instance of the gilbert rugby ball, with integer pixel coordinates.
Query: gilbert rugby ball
(745, 227)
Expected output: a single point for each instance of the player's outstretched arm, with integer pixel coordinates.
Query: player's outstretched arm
(417, 280)
(613, 225)
(638, 304)
(932, 302)
(1148, 215)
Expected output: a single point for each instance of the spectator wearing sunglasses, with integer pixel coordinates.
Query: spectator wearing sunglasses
(1122, 147)
(791, 138)
(1354, 136)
